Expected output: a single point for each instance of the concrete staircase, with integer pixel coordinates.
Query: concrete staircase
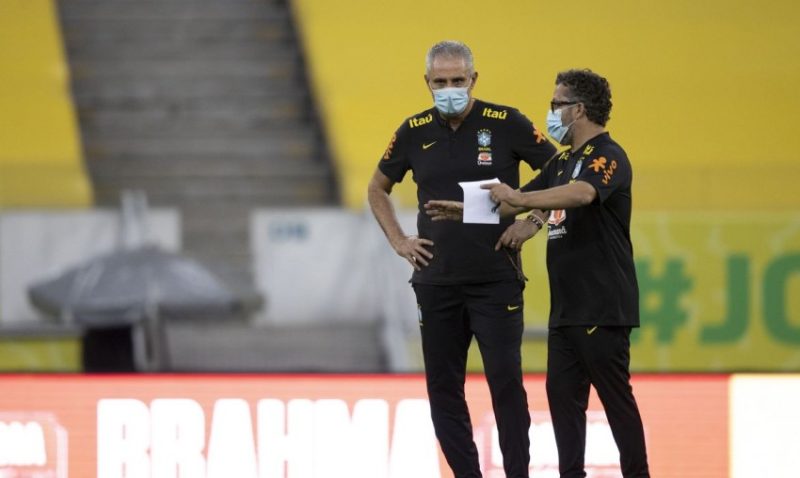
(204, 105)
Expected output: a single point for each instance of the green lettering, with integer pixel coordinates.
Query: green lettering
(776, 279)
(660, 297)
(734, 326)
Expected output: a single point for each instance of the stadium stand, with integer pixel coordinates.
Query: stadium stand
(697, 103)
(704, 97)
(203, 105)
(41, 162)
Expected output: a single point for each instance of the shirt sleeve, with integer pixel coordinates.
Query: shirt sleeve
(541, 181)
(531, 145)
(608, 170)
(395, 163)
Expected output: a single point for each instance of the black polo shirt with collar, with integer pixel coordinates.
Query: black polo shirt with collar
(589, 251)
(490, 143)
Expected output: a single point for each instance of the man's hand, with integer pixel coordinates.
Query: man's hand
(503, 193)
(516, 234)
(412, 249)
(440, 210)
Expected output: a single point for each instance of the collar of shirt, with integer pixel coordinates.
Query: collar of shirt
(477, 106)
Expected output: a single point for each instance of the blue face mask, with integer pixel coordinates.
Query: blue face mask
(451, 101)
(555, 128)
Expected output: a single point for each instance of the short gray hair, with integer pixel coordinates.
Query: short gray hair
(450, 48)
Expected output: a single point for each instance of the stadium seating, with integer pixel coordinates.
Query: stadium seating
(41, 161)
(700, 104)
(202, 105)
(704, 98)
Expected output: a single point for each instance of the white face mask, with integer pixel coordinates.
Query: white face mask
(555, 128)
(451, 101)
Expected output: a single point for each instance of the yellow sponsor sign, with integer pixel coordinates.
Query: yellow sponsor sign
(718, 292)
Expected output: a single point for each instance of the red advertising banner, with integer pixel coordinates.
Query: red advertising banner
(314, 426)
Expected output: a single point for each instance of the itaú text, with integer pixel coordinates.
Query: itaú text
(293, 439)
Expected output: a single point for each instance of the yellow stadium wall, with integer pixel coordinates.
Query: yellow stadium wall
(704, 91)
(41, 163)
(704, 95)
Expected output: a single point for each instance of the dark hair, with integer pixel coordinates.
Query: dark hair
(590, 89)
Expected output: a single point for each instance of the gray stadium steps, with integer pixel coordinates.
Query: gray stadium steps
(204, 105)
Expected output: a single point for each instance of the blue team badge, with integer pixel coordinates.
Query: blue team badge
(484, 137)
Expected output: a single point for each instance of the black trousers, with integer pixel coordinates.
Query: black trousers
(449, 317)
(600, 356)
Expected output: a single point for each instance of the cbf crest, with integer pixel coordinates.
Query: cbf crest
(484, 138)
(484, 147)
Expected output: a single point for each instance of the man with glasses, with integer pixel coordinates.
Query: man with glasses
(467, 277)
(593, 287)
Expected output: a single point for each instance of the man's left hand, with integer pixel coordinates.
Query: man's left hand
(516, 234)
(441, 210)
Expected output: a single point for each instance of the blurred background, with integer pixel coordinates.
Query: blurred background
(183, 189)
(186, 179)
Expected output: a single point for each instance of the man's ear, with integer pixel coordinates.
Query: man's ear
(474, 80)
(582, 110)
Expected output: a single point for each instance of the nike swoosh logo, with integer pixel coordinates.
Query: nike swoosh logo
(512, 307)
(590, 331)
(426, 146)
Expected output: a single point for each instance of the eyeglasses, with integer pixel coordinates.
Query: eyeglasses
(554, 105)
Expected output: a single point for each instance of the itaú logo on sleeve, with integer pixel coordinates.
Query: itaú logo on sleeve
(32, 445)
(269, 439)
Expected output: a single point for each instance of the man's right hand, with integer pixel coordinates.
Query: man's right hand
(440, 210)
(413, 249)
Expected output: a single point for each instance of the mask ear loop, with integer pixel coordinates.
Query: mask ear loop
(568, 126)
(576, 119)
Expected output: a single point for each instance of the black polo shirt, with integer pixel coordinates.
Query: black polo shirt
(589, 251)
(490, 143)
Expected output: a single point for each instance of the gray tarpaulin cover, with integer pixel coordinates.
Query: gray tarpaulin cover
(130, 285)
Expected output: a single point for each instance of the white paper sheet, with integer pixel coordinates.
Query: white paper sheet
(478, 206)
